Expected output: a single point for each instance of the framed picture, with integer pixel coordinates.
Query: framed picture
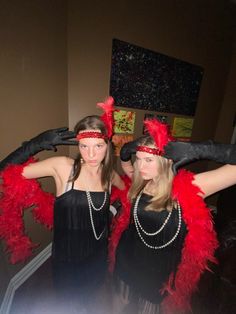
(124, 121)
(144, 79)
(182, 128)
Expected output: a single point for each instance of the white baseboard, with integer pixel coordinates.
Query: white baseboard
(22, 276)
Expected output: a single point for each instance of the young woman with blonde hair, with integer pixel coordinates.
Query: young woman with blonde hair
(163, 239)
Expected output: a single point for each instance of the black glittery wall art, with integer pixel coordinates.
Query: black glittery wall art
(144, 79)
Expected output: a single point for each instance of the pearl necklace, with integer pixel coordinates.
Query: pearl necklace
(91, 205)
(139, 227)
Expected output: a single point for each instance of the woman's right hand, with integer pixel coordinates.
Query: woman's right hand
(128, 149)
(49, 139)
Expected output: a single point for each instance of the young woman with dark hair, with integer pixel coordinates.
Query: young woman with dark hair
(81, 207)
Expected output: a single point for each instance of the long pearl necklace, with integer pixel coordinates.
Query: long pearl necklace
(92, 206)
(139, 227)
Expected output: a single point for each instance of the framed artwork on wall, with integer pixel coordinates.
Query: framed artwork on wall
(182, 128)
(148, 80)
(124, 121)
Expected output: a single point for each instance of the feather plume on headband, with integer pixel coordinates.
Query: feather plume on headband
(159, 132)
(107, 116)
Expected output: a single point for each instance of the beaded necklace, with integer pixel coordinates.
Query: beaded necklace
(140, 229)
(92, 206)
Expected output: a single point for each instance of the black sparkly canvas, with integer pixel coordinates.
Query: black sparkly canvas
(144, 79)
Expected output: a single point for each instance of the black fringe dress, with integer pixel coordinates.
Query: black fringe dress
(79, 260)
(140, 271)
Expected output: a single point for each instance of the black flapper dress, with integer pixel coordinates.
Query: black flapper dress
(144, 270)
(79, 260)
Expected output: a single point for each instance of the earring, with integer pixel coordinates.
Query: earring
(81, 160)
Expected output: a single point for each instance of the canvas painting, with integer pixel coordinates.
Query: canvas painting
(182, 128)
(145, 79)
(124, 121)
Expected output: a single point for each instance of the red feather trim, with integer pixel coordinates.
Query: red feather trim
(18, 194)
(159, 132)
(199, 246)
(107, 117)
(120, 222)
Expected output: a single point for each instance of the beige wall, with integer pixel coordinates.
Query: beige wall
(199, 32)
(33, 85)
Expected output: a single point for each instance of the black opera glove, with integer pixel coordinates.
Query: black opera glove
(183, 153)
(47, 140)
(128, 149)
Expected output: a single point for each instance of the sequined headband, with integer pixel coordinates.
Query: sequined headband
(90, 134)
(150, 150)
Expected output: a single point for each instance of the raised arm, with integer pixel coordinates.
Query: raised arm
(125, 156)
(183, 153)
(57, 167)
(44, 168)
(47, 140)
(213, 181)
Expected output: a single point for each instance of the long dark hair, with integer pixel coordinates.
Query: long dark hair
(95, 123)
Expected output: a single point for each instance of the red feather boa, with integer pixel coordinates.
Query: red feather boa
(119, 223)
(18, 194)
(199, 247)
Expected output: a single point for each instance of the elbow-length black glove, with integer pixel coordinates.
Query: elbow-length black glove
(47, 140)
(128, 149)
(183, 153)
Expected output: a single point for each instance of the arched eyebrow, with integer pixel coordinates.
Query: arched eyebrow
(151, 157)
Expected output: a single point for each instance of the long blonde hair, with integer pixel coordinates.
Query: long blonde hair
(162, 183)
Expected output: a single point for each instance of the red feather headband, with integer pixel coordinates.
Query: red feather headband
(160, 133)
(107, 116)
(90, 134)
